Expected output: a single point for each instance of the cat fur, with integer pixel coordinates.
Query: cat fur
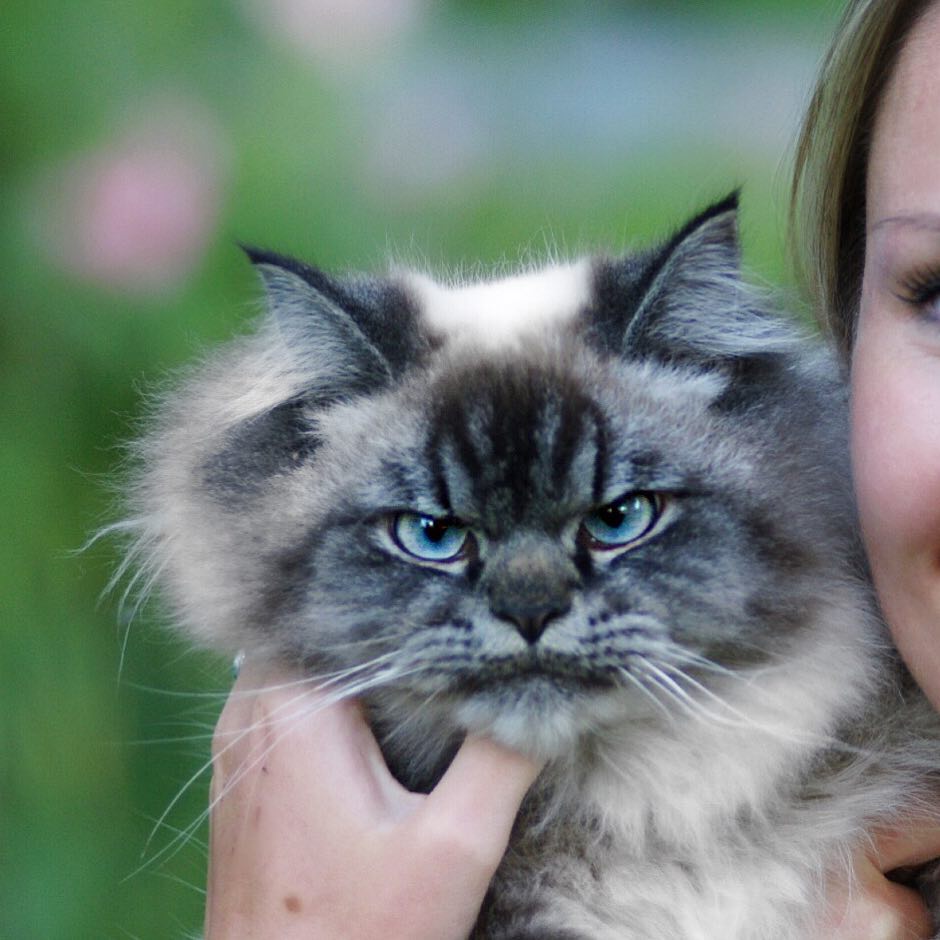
(721, 711)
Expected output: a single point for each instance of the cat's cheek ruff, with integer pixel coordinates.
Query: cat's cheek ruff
(687, 794)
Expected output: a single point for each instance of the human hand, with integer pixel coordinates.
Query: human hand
(312, 837)
(879, 909)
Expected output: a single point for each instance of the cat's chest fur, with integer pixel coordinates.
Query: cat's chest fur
(723, 823)
(601, 513)
(678, 854)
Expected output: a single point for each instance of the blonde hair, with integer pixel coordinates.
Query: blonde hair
(827, 208)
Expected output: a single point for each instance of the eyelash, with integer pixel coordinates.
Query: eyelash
(921, 289)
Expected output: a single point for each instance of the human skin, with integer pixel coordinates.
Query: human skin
(896, 358)
(311, 836)
(895, 371)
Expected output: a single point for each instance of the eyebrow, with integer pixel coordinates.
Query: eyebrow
(925, 221)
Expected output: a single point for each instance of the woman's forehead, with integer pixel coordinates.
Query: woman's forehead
(904, 164)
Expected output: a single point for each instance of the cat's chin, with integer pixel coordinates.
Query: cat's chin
(538, 716)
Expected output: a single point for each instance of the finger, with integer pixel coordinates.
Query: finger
(254, 678)
(883, 911)
(351, 763)
(914, 844)
(479, 796)
(263, 697)
(298, 767)
(298, 726)
(483, 771)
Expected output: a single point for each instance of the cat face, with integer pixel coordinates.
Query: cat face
(531, 530)
(544, 544)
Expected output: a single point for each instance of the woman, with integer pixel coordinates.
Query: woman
(392, 864)
(867, 188)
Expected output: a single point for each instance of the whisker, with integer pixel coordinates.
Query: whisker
(709, 694)
(183, 836)
(176, 879)
(680, 696)
(367, 641)
(179, 739)
(199, 843)
(680, 674)
(309, 686)
(219, 696)
(413, 716)
(676, 653)
(741, 720)
(627, 674)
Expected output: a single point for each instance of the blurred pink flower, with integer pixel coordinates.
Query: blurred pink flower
(338, 34)
(137, 214)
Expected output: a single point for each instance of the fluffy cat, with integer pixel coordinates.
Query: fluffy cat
(601, 512)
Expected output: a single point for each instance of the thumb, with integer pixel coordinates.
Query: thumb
(481, 793)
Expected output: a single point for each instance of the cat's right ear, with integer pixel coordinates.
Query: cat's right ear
(314, 321)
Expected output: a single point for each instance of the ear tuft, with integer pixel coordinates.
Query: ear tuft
(687, 300)
(262, 258)
(311, 319)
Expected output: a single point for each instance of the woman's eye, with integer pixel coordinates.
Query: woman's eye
(621, 522)
(428, 538)
(921, 289)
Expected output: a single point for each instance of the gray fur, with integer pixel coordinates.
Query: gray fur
(719, 706)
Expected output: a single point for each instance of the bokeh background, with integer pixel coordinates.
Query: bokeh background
(140, 141)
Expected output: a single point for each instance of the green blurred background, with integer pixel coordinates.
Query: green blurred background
(140, 142)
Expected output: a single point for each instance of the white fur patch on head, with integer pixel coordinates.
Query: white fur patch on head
(495, 313)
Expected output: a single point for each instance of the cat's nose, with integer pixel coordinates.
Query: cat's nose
(530, 583)
(530, 620)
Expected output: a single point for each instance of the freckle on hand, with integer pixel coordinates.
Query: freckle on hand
(292, 903)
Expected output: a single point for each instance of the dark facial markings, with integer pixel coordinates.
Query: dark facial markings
(257, 449)
(489, 428)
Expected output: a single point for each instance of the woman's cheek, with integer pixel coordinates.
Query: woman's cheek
(896, 461)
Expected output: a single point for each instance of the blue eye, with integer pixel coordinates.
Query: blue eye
(621, 522)
(428, 538)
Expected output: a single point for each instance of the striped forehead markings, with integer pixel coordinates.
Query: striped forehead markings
(490, 422)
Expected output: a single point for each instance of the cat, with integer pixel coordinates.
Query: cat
(600, 511)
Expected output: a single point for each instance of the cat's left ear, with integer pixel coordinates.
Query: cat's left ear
(687, 299)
